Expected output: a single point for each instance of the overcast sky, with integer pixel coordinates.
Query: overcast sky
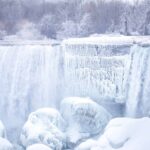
(56, 1)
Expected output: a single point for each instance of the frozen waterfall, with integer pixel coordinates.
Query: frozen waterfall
(112, 71)
(138, 83)
(97, 71)
(30, 78)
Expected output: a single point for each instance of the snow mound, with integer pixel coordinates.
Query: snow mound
(38, 147)
(84, 117)
(122, 134)
(5, 144)
(2, 130)
(44, 126)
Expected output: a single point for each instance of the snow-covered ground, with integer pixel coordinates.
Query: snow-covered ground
(122, 134)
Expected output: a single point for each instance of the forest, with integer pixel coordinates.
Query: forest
(73, 18)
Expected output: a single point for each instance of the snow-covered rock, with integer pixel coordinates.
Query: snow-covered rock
(5, 144)
(85, 118)
(44, 126)
(122, 134)
(2, 130)
(38, 147)
(87, 145)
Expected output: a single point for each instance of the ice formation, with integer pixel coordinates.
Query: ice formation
(2, 130)
(29, 80)
(44, 126)
(122, 134)
(95, 69)
(110, 70)
(138, 82)
(85, 118)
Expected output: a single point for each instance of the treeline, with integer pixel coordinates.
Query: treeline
(74, 18)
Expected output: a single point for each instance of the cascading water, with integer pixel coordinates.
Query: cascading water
(138, 84)
(88, 72)
(38, 75)
(29, 79)
(96, 71)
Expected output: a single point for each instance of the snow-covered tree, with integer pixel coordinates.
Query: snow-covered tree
(69, 29)
(2, 34)
(86, 25)
(48, 26)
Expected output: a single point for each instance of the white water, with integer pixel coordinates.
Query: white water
(138, 84)
(29, 79)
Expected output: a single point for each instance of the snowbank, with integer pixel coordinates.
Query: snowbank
(38, 147)
(5, 144)
(122, 134)
(44, 126)
(85, 118)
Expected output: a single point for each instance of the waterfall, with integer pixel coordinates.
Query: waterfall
(39, 75)
(95, 70)
(29, 79)
(138, 84)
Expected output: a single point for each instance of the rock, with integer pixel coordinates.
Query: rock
(44, 126)
(2, 130)
(5, 144)
(85, 118)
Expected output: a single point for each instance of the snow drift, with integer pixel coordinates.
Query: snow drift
(122, 134)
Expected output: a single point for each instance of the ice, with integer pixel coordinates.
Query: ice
(85, 118)
(2, 130)
(44, 126)
(138, 82)
(96, 68)
(108, 69)
(38, 147)
(111, 70)
(122, 134)
(29, 80)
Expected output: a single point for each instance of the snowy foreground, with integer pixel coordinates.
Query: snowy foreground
(80, 125)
